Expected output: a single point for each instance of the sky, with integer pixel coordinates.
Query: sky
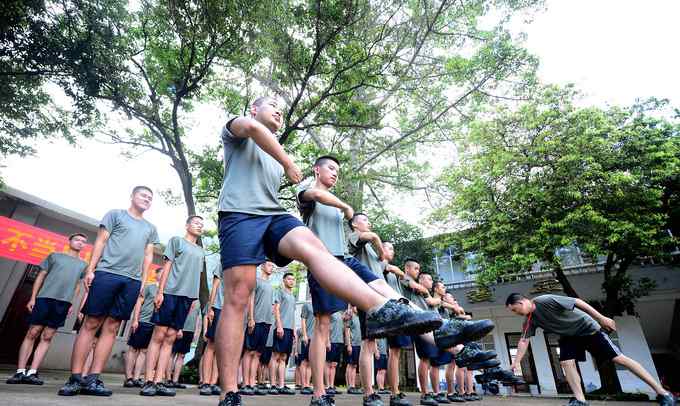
(613, 51)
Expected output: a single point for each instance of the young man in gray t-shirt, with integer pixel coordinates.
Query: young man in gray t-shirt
(178, 287)
(120, 262)
(581, 328)
(253, 226)
(284, 318)
(54, 289)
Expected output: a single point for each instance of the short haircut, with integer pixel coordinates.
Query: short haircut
(324, 159)
(350, 221)
(422, 274)
(136, 189)
(411, 259)
(287, 274)
(193, 216)
(514, 298)
(388, 242)
(261, 100)
(438, 282)
(74, 235)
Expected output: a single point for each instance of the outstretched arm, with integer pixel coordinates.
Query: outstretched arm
(521, 350)
(329, 199)
(606, 323)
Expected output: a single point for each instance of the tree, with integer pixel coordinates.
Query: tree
(548, 174)
(70, 45)
(172, 50)
(379, 83)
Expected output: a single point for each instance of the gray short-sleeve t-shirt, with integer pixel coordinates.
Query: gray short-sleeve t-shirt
(251, 177)
(124, 250)
(147, 308)
(286, 302)
(308, 314)
(264, 297)
(394, 282)
(355, 330)
(364, 252)
(185, 272)
(190, 323)
(337, 328)
(413, 296)
(216, 270)
(63, 273)
(558, 314)
(326, 222)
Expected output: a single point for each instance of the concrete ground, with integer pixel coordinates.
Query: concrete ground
(16, 395)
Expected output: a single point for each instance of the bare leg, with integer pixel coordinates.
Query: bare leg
(380, 379)
(460, 379)
(201, 378)
(130, 359)
(215, 373)
(450, 377)
(179, 363)
(43, 346)
(254, 367)
(153, 351)
(317, 351)
(393, 369)
(139, 364)
(27, 345)
(83, 343)
(273, 368)
(334, 276)
(366, 357)
(165, 353)
(326, 378)
(89, 359)
(238, 283)
(306, 374)
(104, 345)
(423, 370)
(639, 371)
(434, 378)
(208, 361)
(469, 386)
(573, 378)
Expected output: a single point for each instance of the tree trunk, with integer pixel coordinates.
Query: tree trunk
(182, 169)
(564, 281)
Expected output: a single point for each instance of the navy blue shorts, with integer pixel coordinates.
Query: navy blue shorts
(424, 349)
(112, 295)
(140, 339)
(183, 345)
(362, 323)
(399, 342)
(323, 302)
(304, 352)
(210, 332)
(284, 345)
(599, 345)
(49, 312)
(380, 363)
(173, 312)
(362, 271)
(443, 358)
(335, 353)
(353, 358)
(257, 340)
(249, 239)
(298, 360)
(266, 356)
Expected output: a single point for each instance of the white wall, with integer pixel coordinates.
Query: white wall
(634, 345)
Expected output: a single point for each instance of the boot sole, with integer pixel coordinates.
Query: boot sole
(414, 328)
(445, 342)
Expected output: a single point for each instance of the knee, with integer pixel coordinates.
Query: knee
(92, 323)
(620, 360)
(34, 332)
(170, 336)
(47, 335)
(111, 327)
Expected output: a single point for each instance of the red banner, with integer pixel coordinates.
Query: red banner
(22, 242)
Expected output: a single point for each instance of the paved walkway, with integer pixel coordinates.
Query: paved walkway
(46, 395)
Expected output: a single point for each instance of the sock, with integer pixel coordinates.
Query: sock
(32, 371)
(77, 377)
(21, 370)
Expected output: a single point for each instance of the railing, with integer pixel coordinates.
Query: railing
(530, 275)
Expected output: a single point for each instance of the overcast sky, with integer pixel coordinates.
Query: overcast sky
(614, 51)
